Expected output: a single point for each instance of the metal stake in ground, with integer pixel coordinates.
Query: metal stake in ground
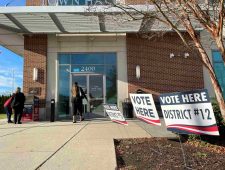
(183, 153)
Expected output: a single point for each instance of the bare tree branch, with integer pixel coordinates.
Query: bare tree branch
(188, 13)
(169, 23)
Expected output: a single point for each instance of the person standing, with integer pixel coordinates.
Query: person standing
(18, 105)
(8, 108)
(77, 96)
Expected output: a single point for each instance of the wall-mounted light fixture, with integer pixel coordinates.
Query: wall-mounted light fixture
(138, 72)
(185, 55)
(35, 74)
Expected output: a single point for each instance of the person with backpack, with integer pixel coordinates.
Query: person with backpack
(77, 97)
(18, 105)
(8, 108)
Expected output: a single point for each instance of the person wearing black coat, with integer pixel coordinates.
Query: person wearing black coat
(77, 96)
(18, 105)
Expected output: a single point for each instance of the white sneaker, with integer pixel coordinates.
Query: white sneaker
(74, 119)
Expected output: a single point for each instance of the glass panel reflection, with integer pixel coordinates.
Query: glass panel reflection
(96, 86)
(96, 93)
(219, 68)
(87, 58)
(64, 92)
(110, 58)
(82, 82)
(111, 85)
(64, 59)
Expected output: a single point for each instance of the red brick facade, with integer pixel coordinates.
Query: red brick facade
(35, 56)
(159, 72)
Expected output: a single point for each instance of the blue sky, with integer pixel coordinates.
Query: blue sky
(12, 2)
(10, 62)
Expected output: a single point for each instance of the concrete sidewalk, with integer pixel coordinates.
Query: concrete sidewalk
(63, 145)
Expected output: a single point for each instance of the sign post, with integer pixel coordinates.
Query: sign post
(188, 113)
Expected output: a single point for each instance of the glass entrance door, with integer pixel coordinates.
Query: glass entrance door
(94, 88)
(96, 95)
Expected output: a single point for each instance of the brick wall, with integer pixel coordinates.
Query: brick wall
(36, 2)
(35, 56)
(159, 72)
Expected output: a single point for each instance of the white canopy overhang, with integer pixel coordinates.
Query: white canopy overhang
(75, 20)
(66, 19)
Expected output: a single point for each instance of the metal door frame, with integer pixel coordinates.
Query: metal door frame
(87, 75)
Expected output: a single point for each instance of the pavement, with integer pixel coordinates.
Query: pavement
(67, 146)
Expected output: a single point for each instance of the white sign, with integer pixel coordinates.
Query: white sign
(114, 114)
(144, 108)
(189, 112)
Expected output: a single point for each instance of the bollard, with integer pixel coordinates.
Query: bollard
(52, 117)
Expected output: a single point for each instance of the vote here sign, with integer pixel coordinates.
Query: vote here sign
(189, 112)
(144, 108)
(114, 114)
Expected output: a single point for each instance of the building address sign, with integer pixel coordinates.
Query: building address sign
(84, 69)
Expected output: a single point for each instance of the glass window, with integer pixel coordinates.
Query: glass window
(111, 85)
(219, 68)
(64, 59)
(64, 91)
(88, 64)
(217, 57)
(110, 58)
(87, 58)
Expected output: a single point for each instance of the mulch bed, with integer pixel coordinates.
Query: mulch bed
(162, 153)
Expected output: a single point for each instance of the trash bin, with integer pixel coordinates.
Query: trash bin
(27, 112)
(52, 117)
(140, 91)
(127, 108)
(36, 109)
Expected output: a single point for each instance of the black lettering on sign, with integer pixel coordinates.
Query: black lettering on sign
(170, 99)
(208, 112)
(144, 100)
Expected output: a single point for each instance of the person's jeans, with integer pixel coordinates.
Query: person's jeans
(8, 112)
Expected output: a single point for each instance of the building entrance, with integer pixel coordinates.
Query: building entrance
(96, 73)
(94, 88)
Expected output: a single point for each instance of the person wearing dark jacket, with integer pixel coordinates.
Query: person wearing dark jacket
(77, 96)
(18, 105)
